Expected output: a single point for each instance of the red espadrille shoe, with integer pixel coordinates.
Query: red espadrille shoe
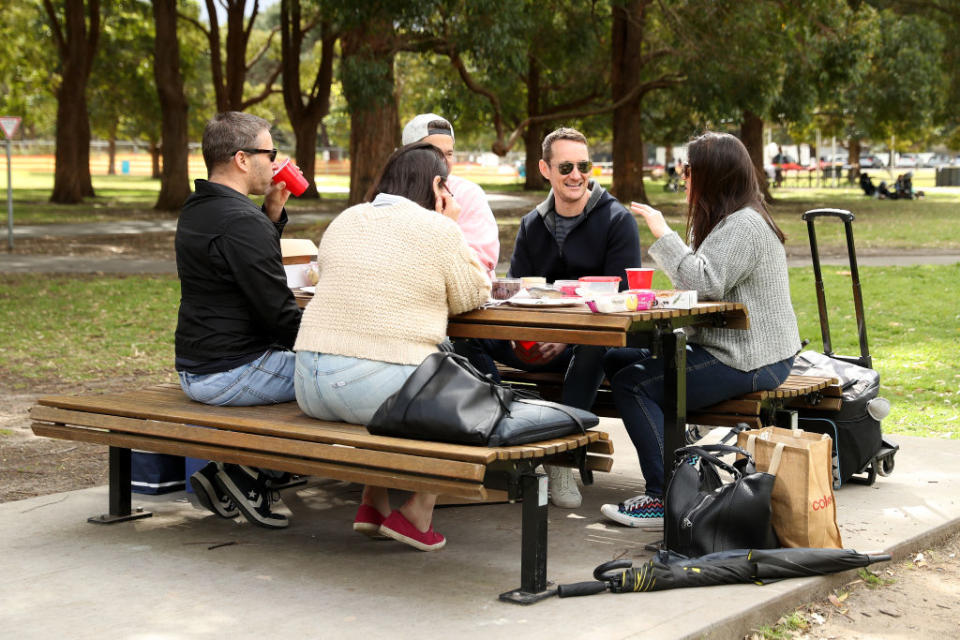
(368, 522)
(402, 530)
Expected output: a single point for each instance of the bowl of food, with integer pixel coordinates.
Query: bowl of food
(600, 284)
(505, 288)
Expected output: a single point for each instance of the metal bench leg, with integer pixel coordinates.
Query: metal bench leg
(120, 510)
(533, 546)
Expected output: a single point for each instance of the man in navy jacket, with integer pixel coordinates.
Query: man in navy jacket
(579, 230)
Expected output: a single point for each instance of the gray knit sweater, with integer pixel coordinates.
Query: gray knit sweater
(741, 260)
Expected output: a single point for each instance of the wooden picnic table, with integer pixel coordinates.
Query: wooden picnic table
(660, 330)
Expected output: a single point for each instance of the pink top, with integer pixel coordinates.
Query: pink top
(477, 222)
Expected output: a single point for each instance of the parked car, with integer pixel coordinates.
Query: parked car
(907, 161)
(871, 161)
(943, 160)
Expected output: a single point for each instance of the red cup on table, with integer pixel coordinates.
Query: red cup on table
(289, 173)
(639, 277)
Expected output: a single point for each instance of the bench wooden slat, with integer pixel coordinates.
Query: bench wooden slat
(825, 404)
(723, 420)
(374, 477)
(737, 405)
(601, 446)
(268, 444)
(284, 420)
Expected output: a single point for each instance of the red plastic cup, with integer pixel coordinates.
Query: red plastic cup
(639, 277)
(289, 173)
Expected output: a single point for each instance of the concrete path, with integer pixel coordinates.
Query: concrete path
(187, 574)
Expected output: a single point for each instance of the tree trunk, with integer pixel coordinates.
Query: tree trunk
(112, 151)
(76, 43)
(155, 160)
(533, 136)
(304, 117)
(175, 179)
(236, 71)
(854, 157)
(751, 134)
(374, 117)
(629, 21)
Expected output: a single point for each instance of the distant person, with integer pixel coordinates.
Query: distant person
(579, 230)
(735, 253)
(476, 219)
(867, 185)
(238, 319)
(391, 271)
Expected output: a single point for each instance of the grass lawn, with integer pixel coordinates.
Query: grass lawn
(62, 330)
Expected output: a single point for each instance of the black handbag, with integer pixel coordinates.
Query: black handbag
(704, 515)
(447, 400)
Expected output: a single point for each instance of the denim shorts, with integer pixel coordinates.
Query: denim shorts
(266, 380)
(345, 389)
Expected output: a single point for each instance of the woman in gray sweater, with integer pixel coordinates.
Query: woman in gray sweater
(736, 254)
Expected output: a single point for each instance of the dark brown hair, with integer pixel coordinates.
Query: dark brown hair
(722, 180)
(563, 133)
(409, 172)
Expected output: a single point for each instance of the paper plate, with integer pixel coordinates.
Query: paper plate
(545, 302)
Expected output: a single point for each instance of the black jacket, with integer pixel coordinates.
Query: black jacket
(234, 299)
(604, 243)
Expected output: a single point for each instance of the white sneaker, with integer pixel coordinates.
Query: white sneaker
(564, 492)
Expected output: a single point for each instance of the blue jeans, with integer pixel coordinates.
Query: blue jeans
(345, 389)
(582, 366)
(637, 383)
(266, 380)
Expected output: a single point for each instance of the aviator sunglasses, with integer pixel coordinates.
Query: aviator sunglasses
(271, 152)
(566, 168)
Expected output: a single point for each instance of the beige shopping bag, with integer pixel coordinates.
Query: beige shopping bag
(804, 511)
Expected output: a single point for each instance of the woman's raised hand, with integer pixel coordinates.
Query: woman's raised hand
(654, 219)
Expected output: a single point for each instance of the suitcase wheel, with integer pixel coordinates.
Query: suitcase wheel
(885, 464)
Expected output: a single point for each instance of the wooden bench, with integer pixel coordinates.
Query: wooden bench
(163, 420)
(761, 408)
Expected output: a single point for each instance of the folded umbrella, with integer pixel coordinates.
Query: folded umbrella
(668, 570)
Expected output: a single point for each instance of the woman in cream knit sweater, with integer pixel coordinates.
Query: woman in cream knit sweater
(391, 271)
(735, 253)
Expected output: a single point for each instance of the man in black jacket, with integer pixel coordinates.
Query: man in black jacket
(579, 230)
(238, 319)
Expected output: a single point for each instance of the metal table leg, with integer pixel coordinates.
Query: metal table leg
(674, 350)
(120, 494)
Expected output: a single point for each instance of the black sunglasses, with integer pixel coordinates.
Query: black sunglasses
(271, 152)
(566, 168)
(686, 171)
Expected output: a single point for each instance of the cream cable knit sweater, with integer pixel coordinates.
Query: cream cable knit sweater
(741, 260)
(389, 277)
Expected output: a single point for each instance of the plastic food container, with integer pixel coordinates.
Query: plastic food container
(567, 287)
(505, 288)
(600, 284)
(639, 299)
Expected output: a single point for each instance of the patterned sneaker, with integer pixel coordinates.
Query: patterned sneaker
(640, 511)
(562, 486)
(210, 495)
(247, 489)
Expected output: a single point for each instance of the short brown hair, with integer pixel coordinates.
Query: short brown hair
(563, 133)
(228, 132)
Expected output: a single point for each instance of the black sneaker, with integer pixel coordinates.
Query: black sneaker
(210, 495)
(248, 490)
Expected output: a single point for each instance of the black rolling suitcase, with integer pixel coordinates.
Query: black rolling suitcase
(860, 452)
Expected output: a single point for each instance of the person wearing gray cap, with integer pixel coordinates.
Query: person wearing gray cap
(476, 219)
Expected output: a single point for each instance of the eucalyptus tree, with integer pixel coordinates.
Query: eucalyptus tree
(230, 65)
(307, 36)
(75, 31)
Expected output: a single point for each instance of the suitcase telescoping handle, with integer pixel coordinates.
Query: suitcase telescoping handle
(810, 216)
